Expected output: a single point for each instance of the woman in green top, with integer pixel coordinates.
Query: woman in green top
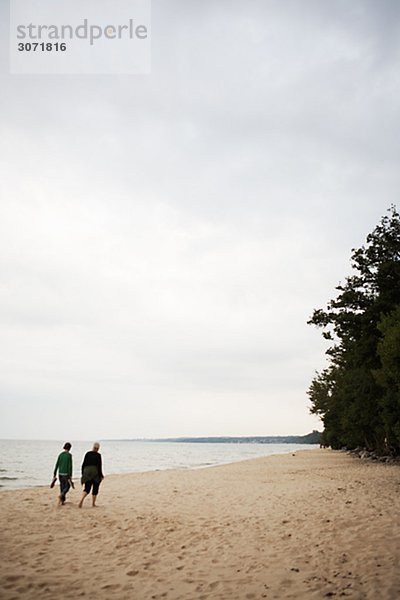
(64, 467)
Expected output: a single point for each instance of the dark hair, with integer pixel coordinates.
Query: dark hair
(67, 446)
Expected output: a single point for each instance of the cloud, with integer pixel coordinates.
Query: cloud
(165, 238)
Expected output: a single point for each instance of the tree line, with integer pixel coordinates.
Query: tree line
(357, 396)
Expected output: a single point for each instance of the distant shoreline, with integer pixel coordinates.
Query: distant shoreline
(311, 438)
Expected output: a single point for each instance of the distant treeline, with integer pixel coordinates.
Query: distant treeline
(358, 395)
(310, 438)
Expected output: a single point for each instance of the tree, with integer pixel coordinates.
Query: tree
(388, 376)
(349, 395)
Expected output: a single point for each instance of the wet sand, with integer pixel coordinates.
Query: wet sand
(318, 524)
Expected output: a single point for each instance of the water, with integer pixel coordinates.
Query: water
(25, 463)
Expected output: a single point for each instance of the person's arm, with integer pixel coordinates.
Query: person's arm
(70, 466)
(100, 467)
(70, 474)
(56, 467)
(83, 465)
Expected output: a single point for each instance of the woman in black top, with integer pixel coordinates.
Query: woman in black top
(92, 473)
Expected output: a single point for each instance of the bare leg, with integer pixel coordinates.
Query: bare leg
(94, 498)
(82, 499)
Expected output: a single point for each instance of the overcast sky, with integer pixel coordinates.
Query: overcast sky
(164, 238)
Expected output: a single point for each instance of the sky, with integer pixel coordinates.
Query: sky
(164, 238)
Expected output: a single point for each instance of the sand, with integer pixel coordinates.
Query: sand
(318, 524)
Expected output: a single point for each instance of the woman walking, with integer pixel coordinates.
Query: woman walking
(64, 468)
(92, 474)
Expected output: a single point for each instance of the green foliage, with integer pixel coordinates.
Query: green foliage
(388, 376)
(357, 396)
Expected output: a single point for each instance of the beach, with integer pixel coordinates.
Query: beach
(312, 524)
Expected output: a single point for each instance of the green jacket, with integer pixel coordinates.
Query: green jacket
(64, 464)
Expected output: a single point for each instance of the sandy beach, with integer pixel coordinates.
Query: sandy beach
(316, 524)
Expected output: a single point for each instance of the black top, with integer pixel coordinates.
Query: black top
(93, 459)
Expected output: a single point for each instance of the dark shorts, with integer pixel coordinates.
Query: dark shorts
(95, 484)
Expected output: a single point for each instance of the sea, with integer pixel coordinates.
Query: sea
(26, 463)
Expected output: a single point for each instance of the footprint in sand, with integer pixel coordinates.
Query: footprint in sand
(213, 585)
(13, 577)
(110, 586)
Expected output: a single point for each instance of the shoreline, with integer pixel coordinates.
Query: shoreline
(223, 460)
(76, 480)
(317, 524)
